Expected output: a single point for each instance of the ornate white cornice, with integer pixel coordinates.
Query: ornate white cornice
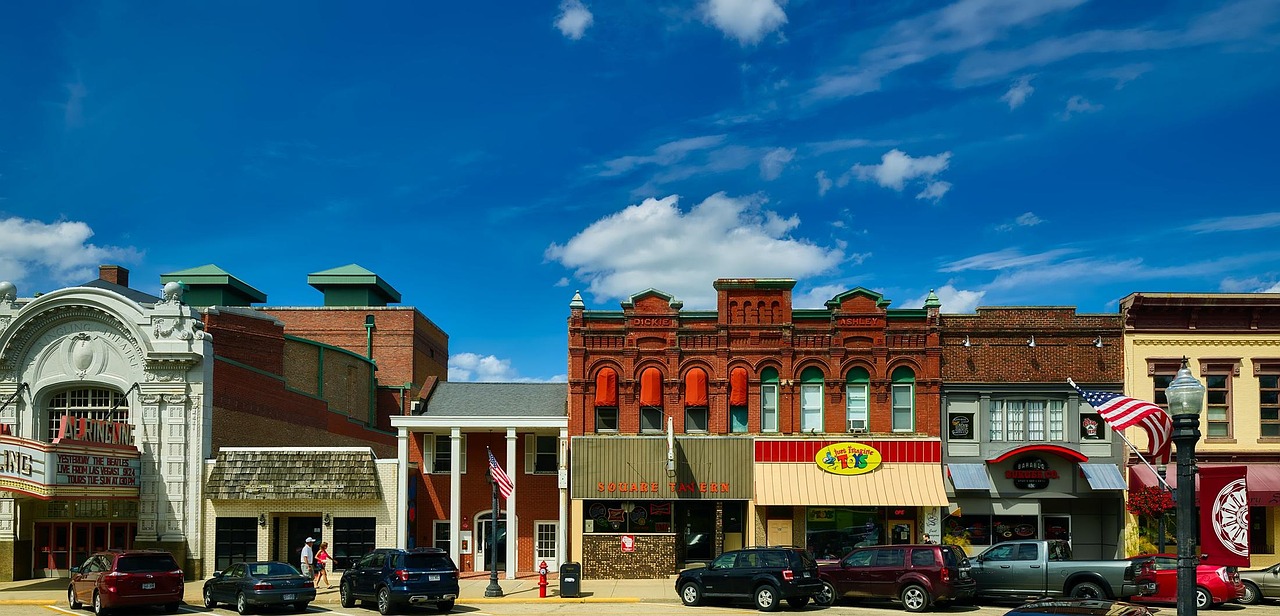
(1193, 340)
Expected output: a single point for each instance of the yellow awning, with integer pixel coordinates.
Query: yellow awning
(893, 484)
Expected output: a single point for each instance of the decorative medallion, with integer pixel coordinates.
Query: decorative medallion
(1231, 517)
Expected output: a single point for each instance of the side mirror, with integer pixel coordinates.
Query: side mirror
(712, 566)
(217, 574)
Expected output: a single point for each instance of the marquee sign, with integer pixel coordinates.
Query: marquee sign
(68, 468)
(848, 458)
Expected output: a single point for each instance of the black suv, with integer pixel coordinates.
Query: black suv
(767, 575)
(395, 578)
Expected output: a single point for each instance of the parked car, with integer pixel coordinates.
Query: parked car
(1260, 584)
(1076, 607)
(396, 578)
(1044, 568)
(766, 575)
(917, 575)
(251, 584)
(126, 578)
(1157, 578)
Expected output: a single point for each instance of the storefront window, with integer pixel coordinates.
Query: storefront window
(832, 532)
(627, 517)
(970, 530)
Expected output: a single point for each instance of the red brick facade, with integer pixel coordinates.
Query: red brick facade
(1085, 347)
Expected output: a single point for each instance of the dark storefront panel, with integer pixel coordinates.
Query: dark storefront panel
(235, 539)
(352, 538)
(635, 468)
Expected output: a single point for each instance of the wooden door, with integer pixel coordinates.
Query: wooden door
(779, 532)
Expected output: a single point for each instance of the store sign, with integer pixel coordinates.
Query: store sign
(63, 469)
(1031, 473)
(632, 487)
(628, 544)
(961, 428)
(848, 458)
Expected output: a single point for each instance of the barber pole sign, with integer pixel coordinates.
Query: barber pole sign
(1224, 516)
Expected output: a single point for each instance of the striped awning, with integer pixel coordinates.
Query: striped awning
(893, 484)
(1103, 476)
(969, 476)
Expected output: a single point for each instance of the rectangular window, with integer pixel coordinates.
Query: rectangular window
(856, 408)
(904, 403)
(811, 407)
(1056, 420)
(352, 539)
(441, 535)
(541, 454)
(651, 419)
(436, 453)
(1015, 411)
(695, 419)
(1269, 404)
(769, 407)
(544, 541)
(235, 540)
(1035, 420)
(738, 419)
(606, 419)
(1217, 398)
(995, 420)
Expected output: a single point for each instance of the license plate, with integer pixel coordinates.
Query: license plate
(434, 577)
(149, 586)
(805, 574)
(290, 597)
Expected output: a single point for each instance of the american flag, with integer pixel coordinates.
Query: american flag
(1120, 412)
(505, 486)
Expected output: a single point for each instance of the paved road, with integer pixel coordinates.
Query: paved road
(640, 609)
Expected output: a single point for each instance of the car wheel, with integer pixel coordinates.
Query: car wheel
(827, 596)
(798, 603)
(1251, 594)
(242, 604)
(71, 598)
(445, 607)
(384, 602)
(915, 598)
(208, 599)
(345, 597)
(97, 604)
(1087, 590)
(1203, 598)
(300, 606)
(690, 594)
(766, 597)
(171, 608)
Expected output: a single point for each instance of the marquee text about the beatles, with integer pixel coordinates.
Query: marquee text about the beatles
(91, 470)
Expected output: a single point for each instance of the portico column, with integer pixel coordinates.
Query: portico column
(562, 470)
(402, 480)
(455, 494)
(513, 534)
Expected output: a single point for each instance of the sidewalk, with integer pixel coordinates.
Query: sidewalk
(471, 591)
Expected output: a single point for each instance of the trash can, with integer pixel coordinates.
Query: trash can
(570, 579)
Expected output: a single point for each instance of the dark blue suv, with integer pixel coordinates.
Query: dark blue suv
(396, 578)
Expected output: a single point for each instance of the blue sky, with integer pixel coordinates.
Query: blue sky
(490, 158)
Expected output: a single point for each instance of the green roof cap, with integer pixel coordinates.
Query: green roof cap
(211, 278)
(352, 285)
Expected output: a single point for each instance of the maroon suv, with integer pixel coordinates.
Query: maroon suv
(917, 575)
(126, 578)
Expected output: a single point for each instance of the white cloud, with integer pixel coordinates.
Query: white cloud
(1249, 222)
(1018, 92)
(1028, 219)
(1122, 75)
(1275, 288)
(774, 161)
(1007, 258)
(1253, 284)
(563, 282)
(53, 254)
(666, 154)
(745, 20)
(476, 368)
(655, 244)
(824, 183)
(574, 19)
(953, 300)
(1079, 104)
(897, 168)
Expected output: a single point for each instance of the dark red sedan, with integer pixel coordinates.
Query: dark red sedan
(1157, 579)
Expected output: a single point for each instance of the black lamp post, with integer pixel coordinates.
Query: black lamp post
(1186, 399)
(1163, 527)
(491, 544)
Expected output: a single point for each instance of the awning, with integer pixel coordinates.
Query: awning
(969, 476)
(1104, 476)
(893, 484)
(1262, 480)
(301, 474)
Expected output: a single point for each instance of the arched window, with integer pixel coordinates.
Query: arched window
(904, 399)
(811, 400)
(606, 400)
(769, 400)
(651, 412)
(855, 397)
(695, 401)
(738, 400)
(98, 403)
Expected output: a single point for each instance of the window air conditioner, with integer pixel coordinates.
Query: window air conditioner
(857, 425)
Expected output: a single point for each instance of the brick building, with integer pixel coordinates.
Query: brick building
(1026, 456)
(695, 432)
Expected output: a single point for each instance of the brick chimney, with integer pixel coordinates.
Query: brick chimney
(114, 274)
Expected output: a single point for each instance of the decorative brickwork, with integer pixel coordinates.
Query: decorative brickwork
(1086, 347)
(603, 558)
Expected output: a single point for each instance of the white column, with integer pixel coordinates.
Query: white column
(455, 495)
(562, 471)
(513, 535)
(402, 489)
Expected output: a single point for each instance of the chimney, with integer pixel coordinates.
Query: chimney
(114, 274)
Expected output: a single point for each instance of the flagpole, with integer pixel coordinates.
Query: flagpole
(493, 589)
(1120, 433)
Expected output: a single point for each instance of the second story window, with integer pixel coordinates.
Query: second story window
(95, 403)
(541, 454)
(437, 453)
(695, 401)
(738, 400)
(1034, 420)
(904, 399)
(855, 396)
(1217, 376)
(606, 402)
(769, 400)
(651, 412)
(811, 400)
(1268, 397)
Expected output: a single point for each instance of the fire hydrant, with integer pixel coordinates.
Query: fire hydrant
(542, 579)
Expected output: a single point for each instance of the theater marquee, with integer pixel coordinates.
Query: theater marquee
(70, 468)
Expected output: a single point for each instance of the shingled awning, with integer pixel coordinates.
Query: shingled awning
(294, 474)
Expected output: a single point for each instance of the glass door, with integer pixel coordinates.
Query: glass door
(486, 547)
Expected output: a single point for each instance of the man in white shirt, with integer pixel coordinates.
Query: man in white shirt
(308, 557)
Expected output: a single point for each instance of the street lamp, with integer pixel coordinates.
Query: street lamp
(491, 543)
(1186, 399)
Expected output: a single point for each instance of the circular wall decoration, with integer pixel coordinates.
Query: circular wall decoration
(1231, 517)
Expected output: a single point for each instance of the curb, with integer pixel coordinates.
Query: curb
(29, 601)
(536, 600)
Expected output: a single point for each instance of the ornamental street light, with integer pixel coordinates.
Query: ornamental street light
(1186, 399)
(491, 543)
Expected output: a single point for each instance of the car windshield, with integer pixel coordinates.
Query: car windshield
(145, 563)
(271, 569)
(430, 562)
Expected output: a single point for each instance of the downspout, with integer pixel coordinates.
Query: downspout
(369, 326)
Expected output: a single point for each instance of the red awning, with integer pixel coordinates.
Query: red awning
(607, 388)
(695, 388)
(1040, 448)
(1262, 480)
(651, 387)
(738, 387)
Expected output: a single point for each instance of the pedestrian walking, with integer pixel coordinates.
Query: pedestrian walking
(308, 558)
(322, 565)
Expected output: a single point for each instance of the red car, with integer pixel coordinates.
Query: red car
(1157, 579)
(126, 578)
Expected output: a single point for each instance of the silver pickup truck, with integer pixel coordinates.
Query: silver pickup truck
(1021, 569)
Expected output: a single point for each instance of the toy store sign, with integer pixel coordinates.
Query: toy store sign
(848, 458)
(48, 470)
(1031, 473)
